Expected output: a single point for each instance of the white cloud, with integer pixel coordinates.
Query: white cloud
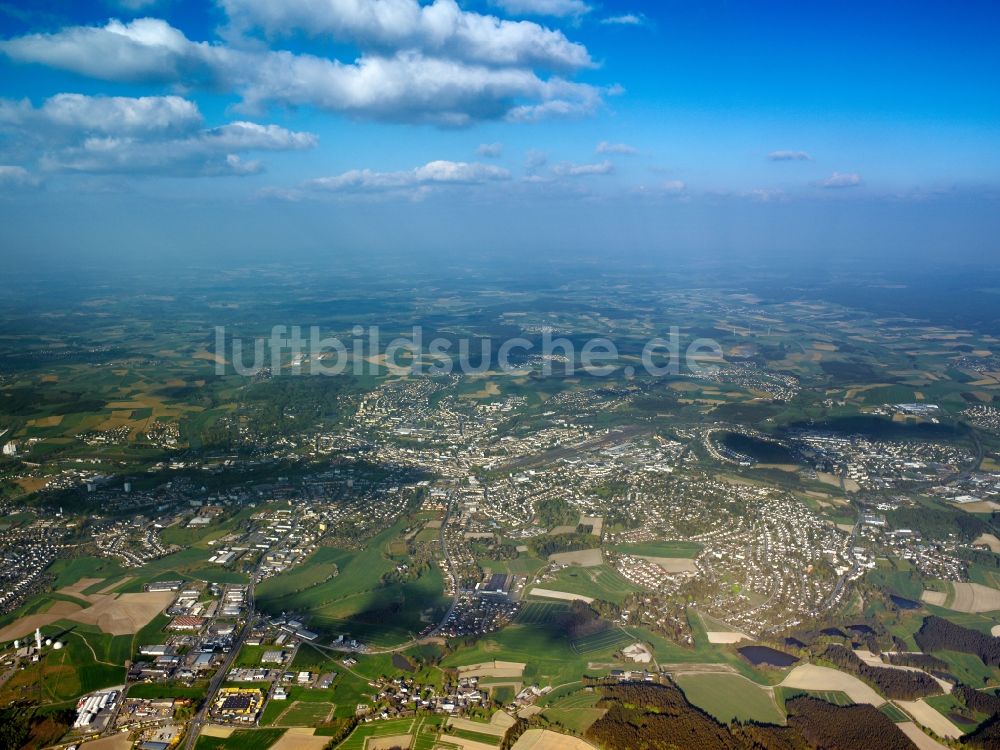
(626, 19)
(555, 8)
(410, 87)
(407, 86)
(13, 177)
(433, 174)
(147, 49)
(77, 113)
(789, 156)
(216, 151)
(842, 180)
(490, 150)
(622, 149)
(672, 186)
(440, 28)
(568, 169)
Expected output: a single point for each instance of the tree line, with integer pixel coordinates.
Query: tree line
(897, 684)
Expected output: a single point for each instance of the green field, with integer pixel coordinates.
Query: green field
(836, 697)
(355, 601)
(893, 713)
(601, 642)
(729, 696)
(241, 739)
(466, 734)
(575, 712)
(598, 582)
(304, 714)
(358, 738)
(90, 660)
(535, 612)
(547, 651)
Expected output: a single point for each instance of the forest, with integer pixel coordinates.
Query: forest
(658, 717)
(939, 634)
(897, 684)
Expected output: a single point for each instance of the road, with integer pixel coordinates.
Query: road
(432, 636)
(199, 720)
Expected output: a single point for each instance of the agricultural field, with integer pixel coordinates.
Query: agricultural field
(600, 642)
(541, 613)
(660, 549)
(600, 582)
(730, 697)
(304, 714)
(347, 595)
(241, 739)
(367, 736)
(574, 712)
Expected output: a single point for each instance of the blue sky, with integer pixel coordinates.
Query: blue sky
(332, 126)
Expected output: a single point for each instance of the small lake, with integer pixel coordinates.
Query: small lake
(862, 629)
(904, 603)
(758, 655)
(762, 451)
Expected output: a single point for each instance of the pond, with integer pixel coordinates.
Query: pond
(904, 603)
(758, 655)
(762, 451)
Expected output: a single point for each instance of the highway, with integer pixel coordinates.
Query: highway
(200, 719)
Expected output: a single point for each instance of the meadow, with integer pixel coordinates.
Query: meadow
(598, 582)
(355, 601)
(730, 696)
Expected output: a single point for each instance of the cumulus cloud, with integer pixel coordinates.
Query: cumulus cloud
(140, 135)
(490, 150)
(621, 149)
(555, 8)
(568, 169)
(120, 115)
(672, 187)
(441, 28)
(147, 49)
(14, 177)
(406, 86)
(789, 156)
(625, 19)
(216, 151)
(433, 174)
(842, 180)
